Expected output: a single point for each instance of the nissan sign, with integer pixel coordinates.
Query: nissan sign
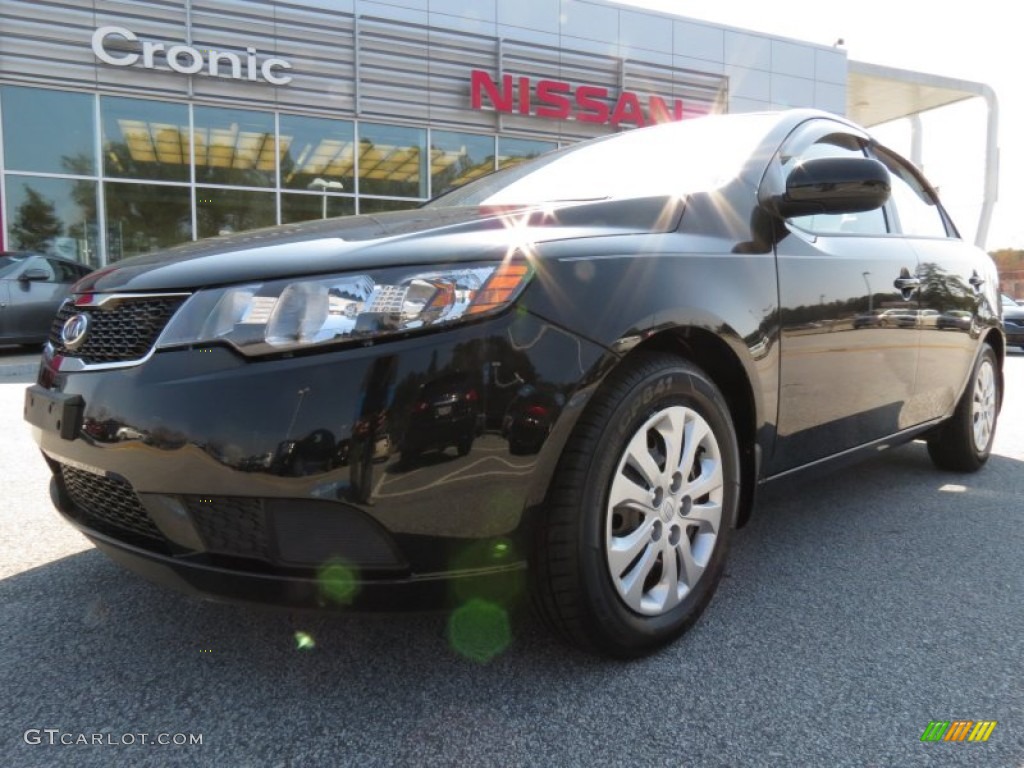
(559, 100)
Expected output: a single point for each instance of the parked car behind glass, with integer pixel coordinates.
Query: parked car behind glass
(1013, 321)
(32, 287)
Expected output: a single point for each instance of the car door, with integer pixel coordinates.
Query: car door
(5, 300)
(958, 288)
(33, 302)
(846, 373)
(66, 274)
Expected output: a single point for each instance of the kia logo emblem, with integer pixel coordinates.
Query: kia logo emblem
(74, 331)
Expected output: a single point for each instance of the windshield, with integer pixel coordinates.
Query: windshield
(671, 159)
(9, 263)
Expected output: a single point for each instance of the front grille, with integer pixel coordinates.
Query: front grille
(108, 505)
(121, 330)
(231, 525)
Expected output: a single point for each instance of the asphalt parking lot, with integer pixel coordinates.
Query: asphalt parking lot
(856, 609)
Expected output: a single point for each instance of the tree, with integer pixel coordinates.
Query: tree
(943, 291)
(36, 223)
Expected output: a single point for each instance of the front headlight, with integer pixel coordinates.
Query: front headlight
(278, 316)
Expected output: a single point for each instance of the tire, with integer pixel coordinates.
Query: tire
(408, 456)
(963, 443)
(516, 448)
(464, 445)
(587, 583)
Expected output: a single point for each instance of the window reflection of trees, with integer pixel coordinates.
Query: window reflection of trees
(942, 291)
(143, 218)
(227, 211)
(55, 215)
(35, 224)
(140, 217)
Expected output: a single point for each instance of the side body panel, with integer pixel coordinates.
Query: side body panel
(959, 299)
(847, 378)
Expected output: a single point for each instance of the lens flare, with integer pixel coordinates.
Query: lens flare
(479, 630)
(501, 549)
(338, 582)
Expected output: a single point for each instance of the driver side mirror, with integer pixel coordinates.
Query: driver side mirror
(34, 275)
(834, 185)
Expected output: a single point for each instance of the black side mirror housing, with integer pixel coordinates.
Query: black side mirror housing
(34, 275)
(834, 185)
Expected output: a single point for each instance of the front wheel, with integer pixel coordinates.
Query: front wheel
(642, 510)
(963, 443)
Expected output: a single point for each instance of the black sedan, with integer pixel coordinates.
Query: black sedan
(684, 297)
(32, 288)
(1013, 322)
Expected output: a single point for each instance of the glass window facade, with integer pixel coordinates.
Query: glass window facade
(145, 139)
(234, 146)
(52, 216)
(513, 151)
(376, 205)
(316, 152)
(164, 172)
(48, 131)
(146, 217)
(457, 158)
(296, 207)
(227, 211)
(392, 160)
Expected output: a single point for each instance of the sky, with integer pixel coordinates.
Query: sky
(971, 41)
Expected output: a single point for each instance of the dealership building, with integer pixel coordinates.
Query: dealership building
(132, 125)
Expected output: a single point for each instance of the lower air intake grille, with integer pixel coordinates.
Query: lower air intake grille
(108, 505)
(231, 526)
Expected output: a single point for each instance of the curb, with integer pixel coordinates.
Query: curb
(18, 370)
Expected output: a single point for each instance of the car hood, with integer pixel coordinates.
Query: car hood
(417, 237)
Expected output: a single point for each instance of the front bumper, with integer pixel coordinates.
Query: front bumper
(332, 586)
(251, 480)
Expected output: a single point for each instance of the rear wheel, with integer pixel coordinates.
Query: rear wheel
(641, 511)
(409, 455)
(963, 443)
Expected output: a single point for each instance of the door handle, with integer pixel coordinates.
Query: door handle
(907, 283)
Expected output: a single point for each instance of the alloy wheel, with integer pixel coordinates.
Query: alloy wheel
(983, 407)
(664, 510)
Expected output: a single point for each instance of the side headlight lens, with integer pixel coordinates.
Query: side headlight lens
(288, 314)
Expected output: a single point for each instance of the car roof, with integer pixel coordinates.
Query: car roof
(65, 259)
(29, 254)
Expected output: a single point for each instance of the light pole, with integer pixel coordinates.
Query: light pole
(871, 298)
(295, 414)
(323, 185)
